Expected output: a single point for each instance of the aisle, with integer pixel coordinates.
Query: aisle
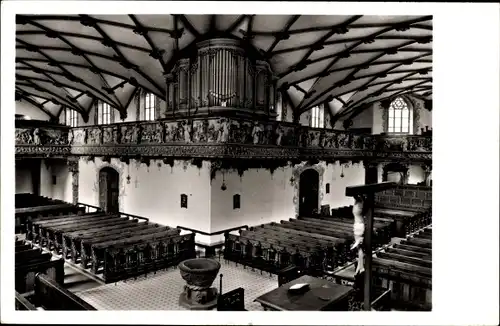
(161, 291)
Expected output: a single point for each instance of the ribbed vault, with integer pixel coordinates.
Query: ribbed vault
(345, 62)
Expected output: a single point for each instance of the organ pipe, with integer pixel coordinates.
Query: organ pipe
(221, 77)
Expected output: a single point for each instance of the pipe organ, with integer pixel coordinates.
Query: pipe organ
(220, 78)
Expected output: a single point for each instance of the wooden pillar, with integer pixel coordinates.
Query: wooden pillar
(369, 200)
(368, 192)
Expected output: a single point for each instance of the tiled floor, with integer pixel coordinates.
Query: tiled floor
(161, 291)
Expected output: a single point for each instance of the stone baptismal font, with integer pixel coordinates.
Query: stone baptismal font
(199, 274)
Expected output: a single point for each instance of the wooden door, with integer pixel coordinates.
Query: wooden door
(308, 192)
(109, 189)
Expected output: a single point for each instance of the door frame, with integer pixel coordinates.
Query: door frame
(118, 175)
(295, 182)
(306, 171)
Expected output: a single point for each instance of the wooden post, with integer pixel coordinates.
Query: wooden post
(368, 191)
(369, 199)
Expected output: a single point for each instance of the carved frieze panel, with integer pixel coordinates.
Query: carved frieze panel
(41, 136)
(223, 137)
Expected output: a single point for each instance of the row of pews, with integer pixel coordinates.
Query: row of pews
(113, 246)
(404, 221)
(29, 206)
(39, 279)
(317, 244)
(405, 269)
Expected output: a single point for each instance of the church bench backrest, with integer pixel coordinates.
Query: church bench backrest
(317, 236)
(52, 296)
(405, 259)
(25, 274)
(139, 238)
(32, 257)
(23, 247)
(140, 229)
(425, 243)
(288, 274)
(68, 226)
(112, 225)
(408, 253)
(22, 303)
(281, 232)
(233, 300)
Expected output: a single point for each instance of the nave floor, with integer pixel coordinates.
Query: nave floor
(161, 291)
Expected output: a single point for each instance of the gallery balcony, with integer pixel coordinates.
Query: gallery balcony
(218, 138)
(35, 138)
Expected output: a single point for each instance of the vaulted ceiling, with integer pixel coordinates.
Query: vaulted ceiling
(346, 62)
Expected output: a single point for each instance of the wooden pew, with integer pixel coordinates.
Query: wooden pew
(25, 215)
(322, 231)
(68, 238)
(85, 249)
(127, 260)
(54, 234)
(22, 247)
(399, 251)
(25, 274)
(265, 253)
(98, 249)
(31, 256)
(405, 259)
(347, 228)
(22, 303)
(33, 226)
(382, 226)
(427, 251)
(411, 285)
(46, 232)
(50, 295)
(75, 244)
(283, 235)
(425, 243)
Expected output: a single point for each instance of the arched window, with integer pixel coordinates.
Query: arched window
(400, 118)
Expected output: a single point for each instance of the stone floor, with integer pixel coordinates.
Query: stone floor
(161, 291)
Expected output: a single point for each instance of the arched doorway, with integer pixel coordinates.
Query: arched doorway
(308, 192)
(109, 189)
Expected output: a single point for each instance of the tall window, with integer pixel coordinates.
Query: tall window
(149, 106)
(71, 118)
(400, 117)
(279, 108)
(103, 113)
(318, 117)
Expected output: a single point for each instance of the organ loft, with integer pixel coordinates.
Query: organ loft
(223, 162)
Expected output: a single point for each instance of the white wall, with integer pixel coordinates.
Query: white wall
(305, 118)
(374, 116)
(416, 174)
(364, 119)
(62, 189)
(425, 118)
(24, 182)
(131, 113)
(154, 191)
(354, 174)
(267, 197)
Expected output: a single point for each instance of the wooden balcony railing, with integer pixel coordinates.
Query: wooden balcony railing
(216, 137)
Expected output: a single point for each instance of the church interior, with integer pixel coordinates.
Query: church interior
(223, 162)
